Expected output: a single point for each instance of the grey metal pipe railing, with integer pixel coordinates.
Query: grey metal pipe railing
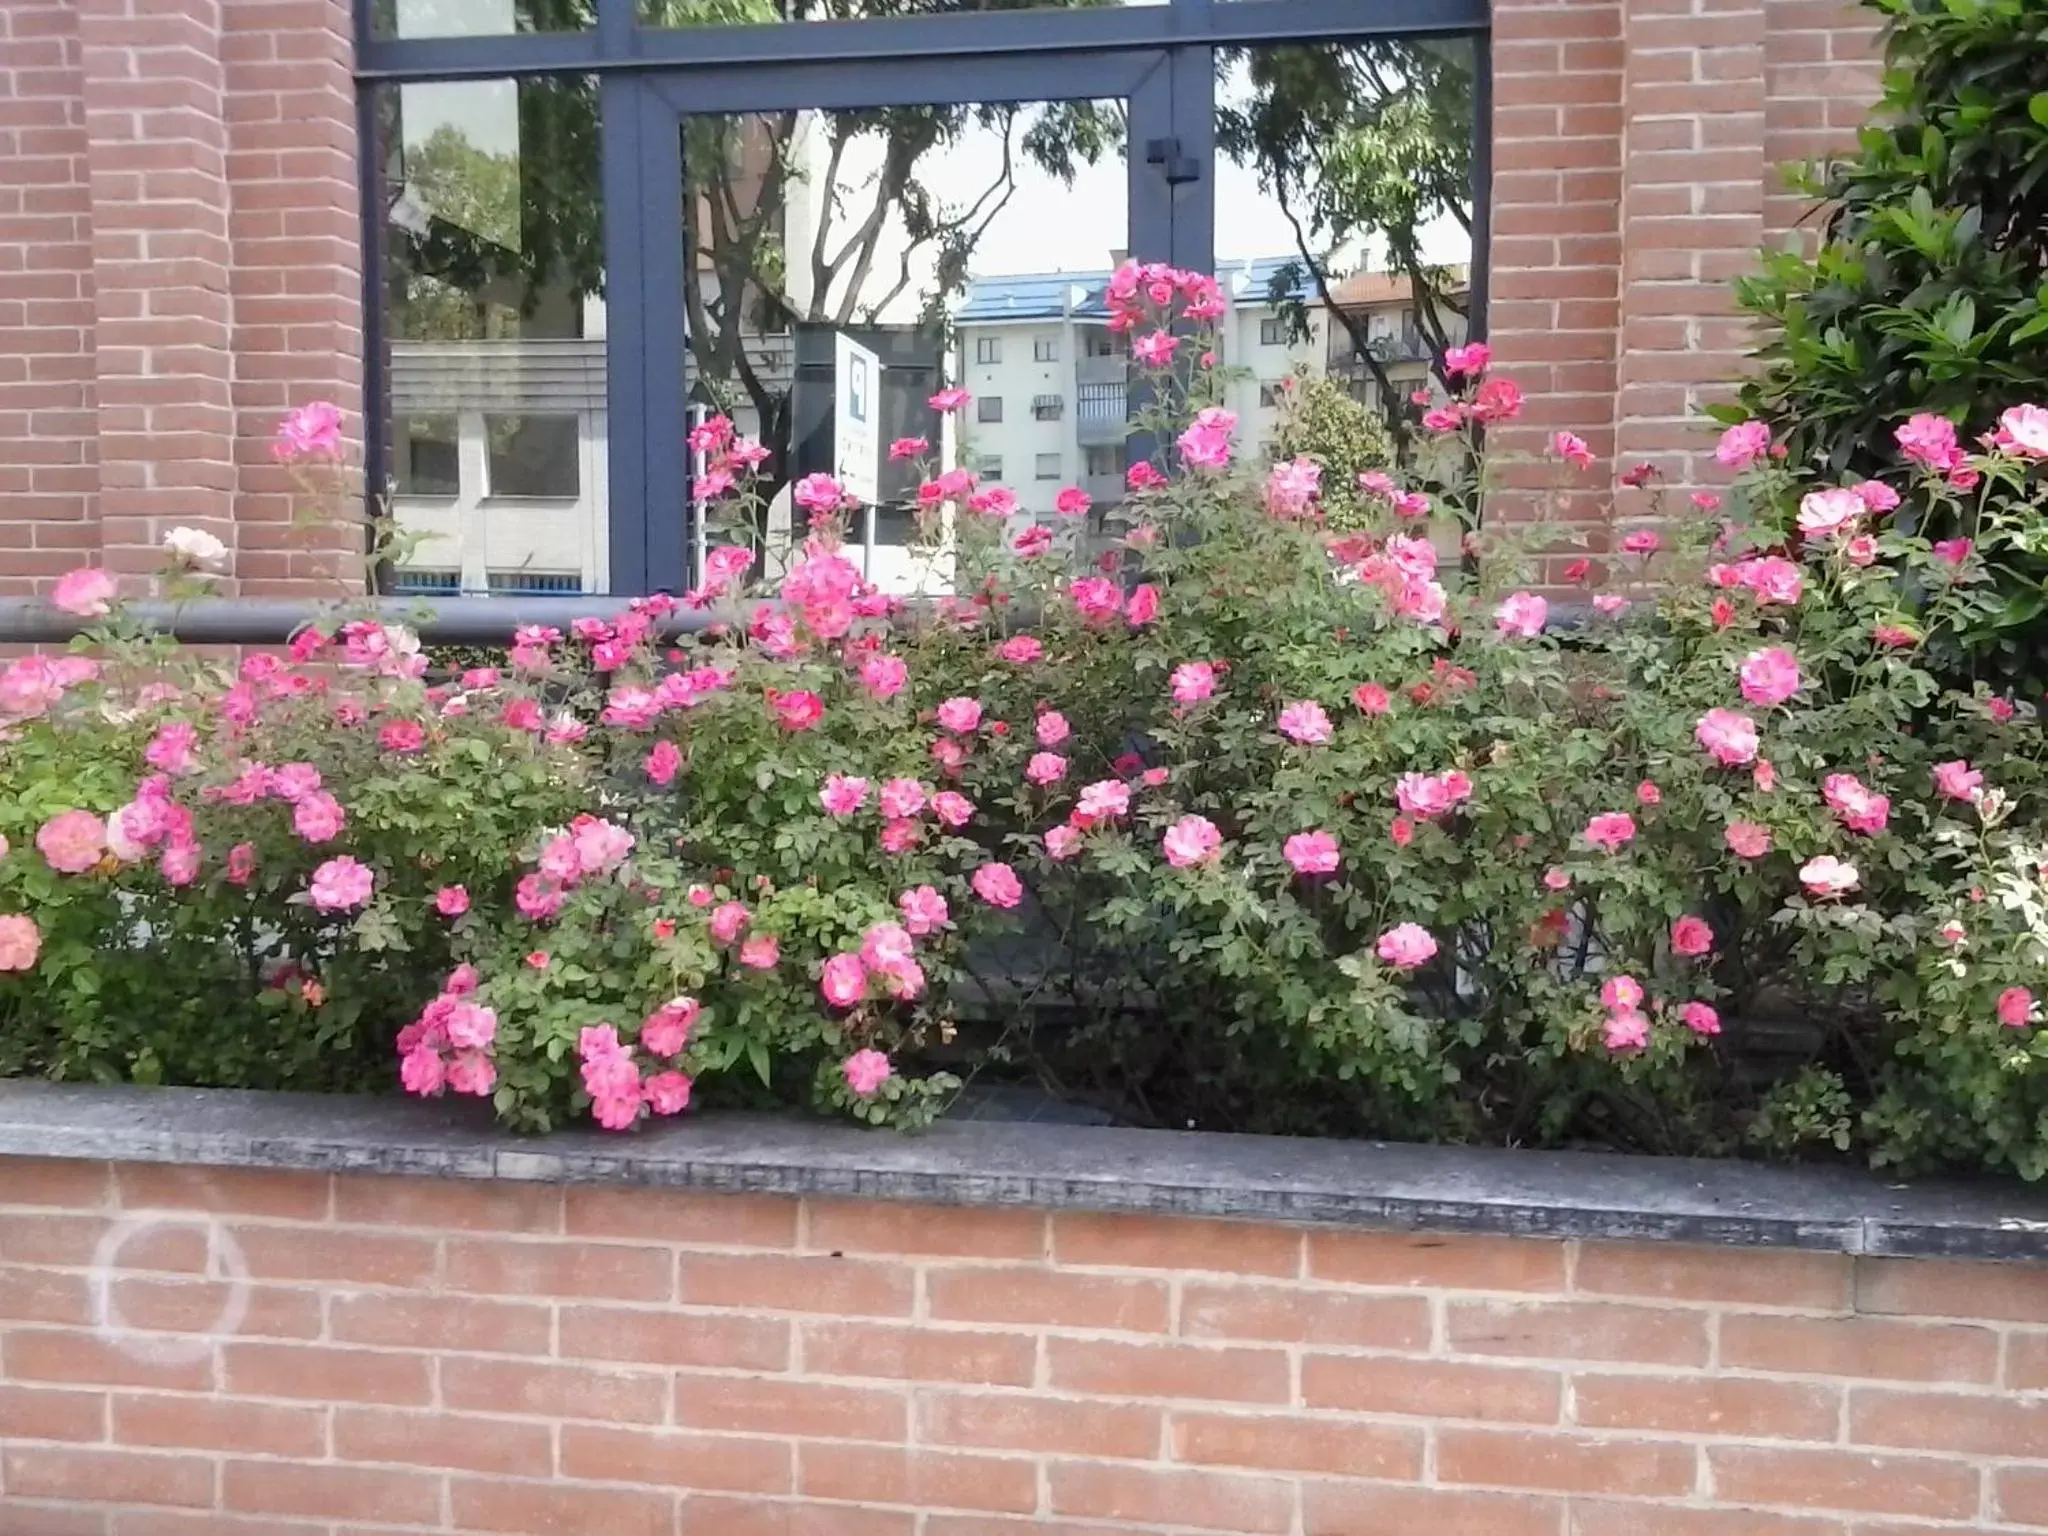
(271, 621)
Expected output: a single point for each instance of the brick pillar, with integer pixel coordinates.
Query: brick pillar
(157, 152)
(48, 431)
(297, 275)
(1553, 310)
(1692, 219)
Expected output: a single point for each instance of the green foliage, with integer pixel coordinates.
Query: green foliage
(1321, 420)
(1929, 288)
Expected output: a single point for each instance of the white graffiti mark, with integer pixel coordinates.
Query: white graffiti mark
(224, 1261)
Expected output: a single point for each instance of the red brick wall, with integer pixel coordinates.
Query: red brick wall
(178, 246)
(412, 1356)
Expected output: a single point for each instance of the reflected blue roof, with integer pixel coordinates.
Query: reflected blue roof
(1080, 295)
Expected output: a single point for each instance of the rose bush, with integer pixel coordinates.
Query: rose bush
(1255, 824)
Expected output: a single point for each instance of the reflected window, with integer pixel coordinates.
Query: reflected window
(988, 409)
(493, 293)
(988, 349)
(429, 457)
(533, 456)
(1344, 215)
(1046, 467)
(477, 18)
(1045, 349)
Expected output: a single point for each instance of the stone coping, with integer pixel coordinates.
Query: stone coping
(1055, 1166)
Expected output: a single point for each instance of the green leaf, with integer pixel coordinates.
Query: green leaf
(2037, 107)
(757, 1057)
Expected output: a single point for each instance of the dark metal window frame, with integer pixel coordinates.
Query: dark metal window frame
(1160, 58)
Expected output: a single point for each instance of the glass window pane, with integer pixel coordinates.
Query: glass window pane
(918, 246)
(1343, 224)
(1046, 467)
(494, 328)
(713, 13)
(477, 18)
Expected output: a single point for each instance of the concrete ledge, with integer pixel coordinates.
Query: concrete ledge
(1062, 1167)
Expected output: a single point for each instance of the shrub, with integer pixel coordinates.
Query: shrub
(1320, 420)
(1279, 828)
(1929, 289)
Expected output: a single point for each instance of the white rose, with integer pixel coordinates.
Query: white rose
(195, 546)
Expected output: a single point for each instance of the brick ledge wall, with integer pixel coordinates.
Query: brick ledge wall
(191, 1350)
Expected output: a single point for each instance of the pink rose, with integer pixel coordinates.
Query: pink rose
(1860, 808)
(728, 922)
(1143, 606)
(1691, 936)
(664, 762)
(1052, 728)
(1431, 795)
(998, 885)
(1305, 723)
(1610, 830)
(1827, 875)
(901, 797)
(422, 1072)
(2015, 1007)
(842, 795)
(1743, 444)
(1770, 676)
(1877, 497)
(884, 676)
(2023, 430)
(960, 716)
(761, 952)
(20, 942)
(1072, 501)
(1771, 578)
(1700, 1018)
(241, 864)
(318, 817)
(1625, 1031)
(1952, 551)
(1556, 879)
(1104, 800)
(1647, 793)
(451, 901)
(1728, 736)
(1021, 650)
(1096, 599)
(340, 884)
(923, 909)
(797, 710)
(666, 1031)
(311, 431)
(667, 1093)
(1311, 853)
(1621, 992)
(1192, 682)
(1191, 840)
(866, 1071)
(1930, 441)
(1467, 361)
(952, 810)
(1062, 842)
(1959, 781)
(1045, 768)
(72, 842)
(1521, 614)
(1405, 946)
(85, 593)
(1829, 511)
(1372, 698)
(844, 981)
(1748, 840)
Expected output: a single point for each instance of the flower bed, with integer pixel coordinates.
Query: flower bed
(1306, 831)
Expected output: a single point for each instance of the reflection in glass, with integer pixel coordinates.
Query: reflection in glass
(1344, 210)
(494, 325)
(844, 265)
(478, 18)
(704, 13)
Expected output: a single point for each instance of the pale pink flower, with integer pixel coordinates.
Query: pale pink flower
(1728, 736)
(1430, 795)
(1469, 360)
(1311, 853)
(843, 794)
(2023, 430)
(1826, 875)
(1771, 578)
(998, 885)
(949, 399)
(1621, 992)
(85, 593)
(1045, 768)
(865, 1072)
(953, 810)
(601, 847)
(1556, 878)
(1096, 599)
(311, 431)
(1860, 808)
(1743, 444)
(171, 748)
(844, 981)
(884, 676)
(1691, 936)
(1305, 723)
(923, 909)
(761, 952)
(339, 884)
(885, 947)
(1405, 946)
(72, 842)
(1959, 781)
(451, 901)
(539, 897)
(2015, 1007)
(1292, 487)
(666, 1031)
(1021, 650)
(1062, 842)
(728, 922)
(1829, 511)
(1206, 442)
(1572, 448)
(1625, 1031)
(20, 942)
(1877, 497)
(1860, 550)
(616, 1111)
(1644, 541)
(664, 762)
(900, 834)
(1764, 775)
(1747, 839)
(1610, 830)
(1521, 614)
(667, 1093)
(960, 716)
(1052, 728)
(1103, 800)
(1770, 676)
(1930, 441)
(1191, 840)
(1608, 604)
(1192, 682)
(1647, 793)
(422, 1072)
(1951, 932)
(471, 1026)
(901, 797)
